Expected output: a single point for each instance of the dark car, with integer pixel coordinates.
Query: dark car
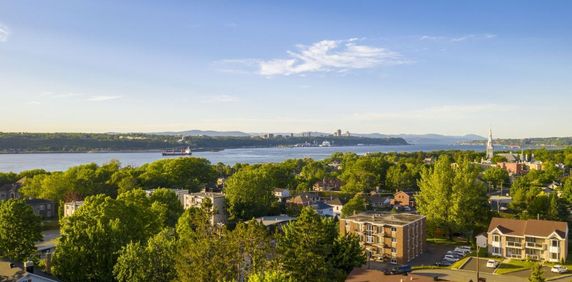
(402, 269)
(444, 263)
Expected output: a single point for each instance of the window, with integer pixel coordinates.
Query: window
(393, 229)
(369, 239)
(554, 243)
(496, 251)
(394, 240)
(393, 250)
(553, 255)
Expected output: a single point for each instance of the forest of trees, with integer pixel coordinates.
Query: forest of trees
(120, 234)
(102, 142)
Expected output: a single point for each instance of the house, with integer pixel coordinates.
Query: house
(512, 168)
(195, 200)
(281, 194)
(377, 201)
(42, 208)
(9, 191)
(275, 222)
(305, 199)
(390, 237)
(17, 272)
(404, 199)
(179, 192)
(327, 184)
(336, 205)
(71, 207)
(528, 239)
(323, 209)
(534, 165)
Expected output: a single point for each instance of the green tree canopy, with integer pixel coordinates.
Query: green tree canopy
(249, 194)
(19, 230)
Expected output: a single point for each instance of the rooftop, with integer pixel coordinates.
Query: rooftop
(533, 227)
(206, 194)
(386, 218)
(274, 219)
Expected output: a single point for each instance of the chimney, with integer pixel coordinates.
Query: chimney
(29, 266)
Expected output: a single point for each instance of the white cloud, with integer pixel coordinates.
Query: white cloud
(440, 112)
(221, 99)
(103, 98)
(482, 36)
(4, 33)
(322, 56)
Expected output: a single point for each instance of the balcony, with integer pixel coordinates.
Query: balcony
(514, 244)
(534, 245)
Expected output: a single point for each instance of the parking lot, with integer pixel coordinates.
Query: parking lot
(526, 273)
(472, 265)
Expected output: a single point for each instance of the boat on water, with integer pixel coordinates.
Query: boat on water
(178, 152)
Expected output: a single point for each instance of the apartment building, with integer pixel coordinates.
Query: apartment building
(528, 239)
(390, 237)
(217, 200)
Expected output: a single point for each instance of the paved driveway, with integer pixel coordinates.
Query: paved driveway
(472, 265)
(433, 253)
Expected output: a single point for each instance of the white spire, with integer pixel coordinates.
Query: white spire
(490, 148)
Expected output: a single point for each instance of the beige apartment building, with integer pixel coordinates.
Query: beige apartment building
(528, 239)
(71, 207)
(390, 237)
(217, 200)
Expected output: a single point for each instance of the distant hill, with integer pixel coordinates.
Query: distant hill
(410, 138)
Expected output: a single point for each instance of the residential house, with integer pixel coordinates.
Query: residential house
(391, 237)
(404, 199)
(42, 208)
(327, 184)
(217, 200)
(275, 222)
(9, 191)
(378, 201)
(179, 192)
(336, 205)
(481, 240)
(281, 194)
(71, 207)
(305, 199)
(528, 239)
(10, 271)
(323, 209)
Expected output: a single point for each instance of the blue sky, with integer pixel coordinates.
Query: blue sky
(449, 67)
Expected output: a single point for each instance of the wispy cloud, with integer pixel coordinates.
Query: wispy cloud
(4, 33)
(321, 56)
(221, 99)
(52, 95)
(456, 39)
(440, 112)
(103, 98)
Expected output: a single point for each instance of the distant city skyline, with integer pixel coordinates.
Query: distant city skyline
(414, 67)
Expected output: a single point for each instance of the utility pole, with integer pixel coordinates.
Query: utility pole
(478, 263)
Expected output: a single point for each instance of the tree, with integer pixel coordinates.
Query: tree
(347, 254)
(19, 230)
(92, 237)
(537, 275)
(185, 173)
(152, 262)
(270, 276)
(171, 203)
(400, 177)
(435, 196)
(496, 177)
(356, 204)
(249, 194)
(306, 246)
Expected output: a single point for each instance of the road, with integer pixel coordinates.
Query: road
(462, 276)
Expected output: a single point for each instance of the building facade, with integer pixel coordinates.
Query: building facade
(394, 238)
(195, 200)
(42, 208)
(528, 239)
(71, 207)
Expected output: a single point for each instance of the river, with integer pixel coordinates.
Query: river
(62, 161)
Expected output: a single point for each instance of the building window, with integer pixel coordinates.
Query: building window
(393, 229)
(393, 240)
(554, 243)
(496, 238)
(553, 255)
(393, 250)
(369, 239)
(496, 251)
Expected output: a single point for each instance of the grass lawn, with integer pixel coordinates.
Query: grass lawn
(445, 241)
(460, 262)
(513, 265)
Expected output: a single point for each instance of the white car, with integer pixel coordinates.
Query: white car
(559, 269)
(491, 263)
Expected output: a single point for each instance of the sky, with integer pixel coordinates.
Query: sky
(416, 67)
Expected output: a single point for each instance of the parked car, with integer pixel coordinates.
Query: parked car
(444, 263)
(559, 269)
(463, 251)
(402, 269)
(468, 248)
(451, 258)
(491, 263)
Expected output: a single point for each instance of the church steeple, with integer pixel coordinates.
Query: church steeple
(490, 147)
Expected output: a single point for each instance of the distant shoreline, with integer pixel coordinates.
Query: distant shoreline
(194, 150)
